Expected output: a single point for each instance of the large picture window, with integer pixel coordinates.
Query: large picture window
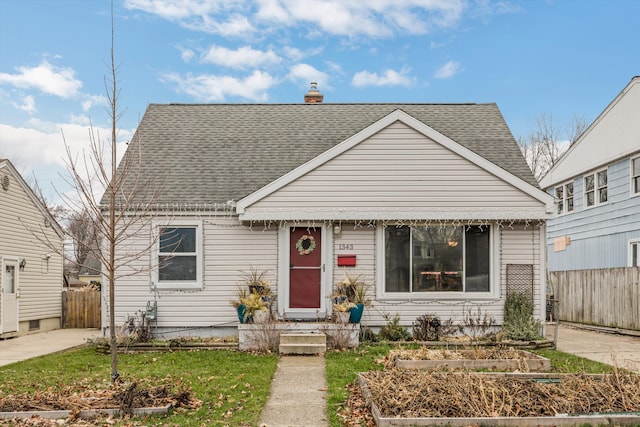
(178, 256)
(437, 259)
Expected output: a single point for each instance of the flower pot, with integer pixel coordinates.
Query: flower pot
(356, 313)
(240, 311)
(261, 316)
(341, 316)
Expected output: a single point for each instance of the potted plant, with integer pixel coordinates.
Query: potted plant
(254, 304)
(238, 304)
(341, 311)
(256, 281)
(354, 290)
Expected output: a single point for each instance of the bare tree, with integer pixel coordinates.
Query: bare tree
(547, 142)
(121, 214)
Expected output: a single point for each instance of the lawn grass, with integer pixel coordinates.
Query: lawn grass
(232, 385)
(568, 363)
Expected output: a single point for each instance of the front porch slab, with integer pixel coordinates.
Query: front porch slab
(258, 336)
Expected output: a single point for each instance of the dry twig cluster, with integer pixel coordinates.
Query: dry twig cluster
(422, 394)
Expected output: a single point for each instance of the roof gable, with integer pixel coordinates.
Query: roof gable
(395, 116)
(207, 155)
(614, 134)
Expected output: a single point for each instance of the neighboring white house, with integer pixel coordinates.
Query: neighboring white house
(31, 279)
(596, 184)
(433, 204)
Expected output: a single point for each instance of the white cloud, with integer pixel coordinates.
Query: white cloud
(187, 55)
(244, 57)
(46, 78)
(28, 105)
(93, 100)
(305, 74)
(211, 88)
(296, 54)
(379, 18)
(448, 70)
(40, 147)
(388, 78)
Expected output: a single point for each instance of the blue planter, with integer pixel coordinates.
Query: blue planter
(240, 311)
(356, 313)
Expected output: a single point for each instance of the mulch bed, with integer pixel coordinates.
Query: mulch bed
(85, 396)
(411, 394)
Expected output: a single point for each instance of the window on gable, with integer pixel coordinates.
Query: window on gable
(564, 198)
(635, 175)
(596, 188)
(179, 257)
(423, 260)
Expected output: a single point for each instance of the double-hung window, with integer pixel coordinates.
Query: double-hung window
(179, 256)
(634, 253)
(423, 260)
(595, 188)
(564, 198)
(635, 176)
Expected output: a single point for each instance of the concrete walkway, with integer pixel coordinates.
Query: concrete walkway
(28, 346)
(298, 394)
(610, 348)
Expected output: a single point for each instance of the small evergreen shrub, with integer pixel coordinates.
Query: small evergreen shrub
(519, 323)
(393, 331)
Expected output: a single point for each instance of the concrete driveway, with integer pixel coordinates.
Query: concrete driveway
(599, 345)
(25, 347)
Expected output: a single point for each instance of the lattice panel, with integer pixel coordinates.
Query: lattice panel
(520, 279)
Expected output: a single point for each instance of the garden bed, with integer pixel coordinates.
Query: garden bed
(493, 358)
(420, 398)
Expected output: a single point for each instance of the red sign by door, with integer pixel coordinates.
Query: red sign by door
(305, 264)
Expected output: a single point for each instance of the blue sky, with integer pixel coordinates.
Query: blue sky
(560, 58)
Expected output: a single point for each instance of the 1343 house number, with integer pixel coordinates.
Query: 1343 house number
(345, 246)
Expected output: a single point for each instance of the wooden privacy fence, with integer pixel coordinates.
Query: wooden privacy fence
(604, 297)
(81, 309)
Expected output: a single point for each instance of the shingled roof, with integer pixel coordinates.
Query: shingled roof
(213, 153)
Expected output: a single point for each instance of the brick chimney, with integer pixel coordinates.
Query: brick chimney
(313, 96)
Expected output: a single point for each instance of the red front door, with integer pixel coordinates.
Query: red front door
(305, 263)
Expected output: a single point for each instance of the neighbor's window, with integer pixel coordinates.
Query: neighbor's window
(178, 256)
(564, 198)
(437, 259)
(634, 253)
(595, 188)
(635, 175)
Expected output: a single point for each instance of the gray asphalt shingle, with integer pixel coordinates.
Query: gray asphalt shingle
(212, 153)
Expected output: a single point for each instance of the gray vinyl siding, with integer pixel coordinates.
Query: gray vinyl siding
(229, 250)
(599, 235)
(22, 235)
(398, 168)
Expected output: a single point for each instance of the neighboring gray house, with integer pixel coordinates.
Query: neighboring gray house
(31, 279)
(596, 185)
(433, 204)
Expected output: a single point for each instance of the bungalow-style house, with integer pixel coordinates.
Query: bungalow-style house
(596, 184)
(31, 279)
(432, 204)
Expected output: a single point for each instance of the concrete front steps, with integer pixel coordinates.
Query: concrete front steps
(303, 343)
(257, 336)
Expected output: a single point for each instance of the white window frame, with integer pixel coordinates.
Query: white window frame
(564, 201)
(494, 279)
(632, 189)
(182, 284)
(632, 243)
(596, 189)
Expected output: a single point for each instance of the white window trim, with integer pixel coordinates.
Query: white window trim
(631, 193)
(564, 200)
(178, 285)
(596, 199)
(629, 251)
(494, 274)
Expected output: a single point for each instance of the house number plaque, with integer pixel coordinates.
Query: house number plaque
(345, 246)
